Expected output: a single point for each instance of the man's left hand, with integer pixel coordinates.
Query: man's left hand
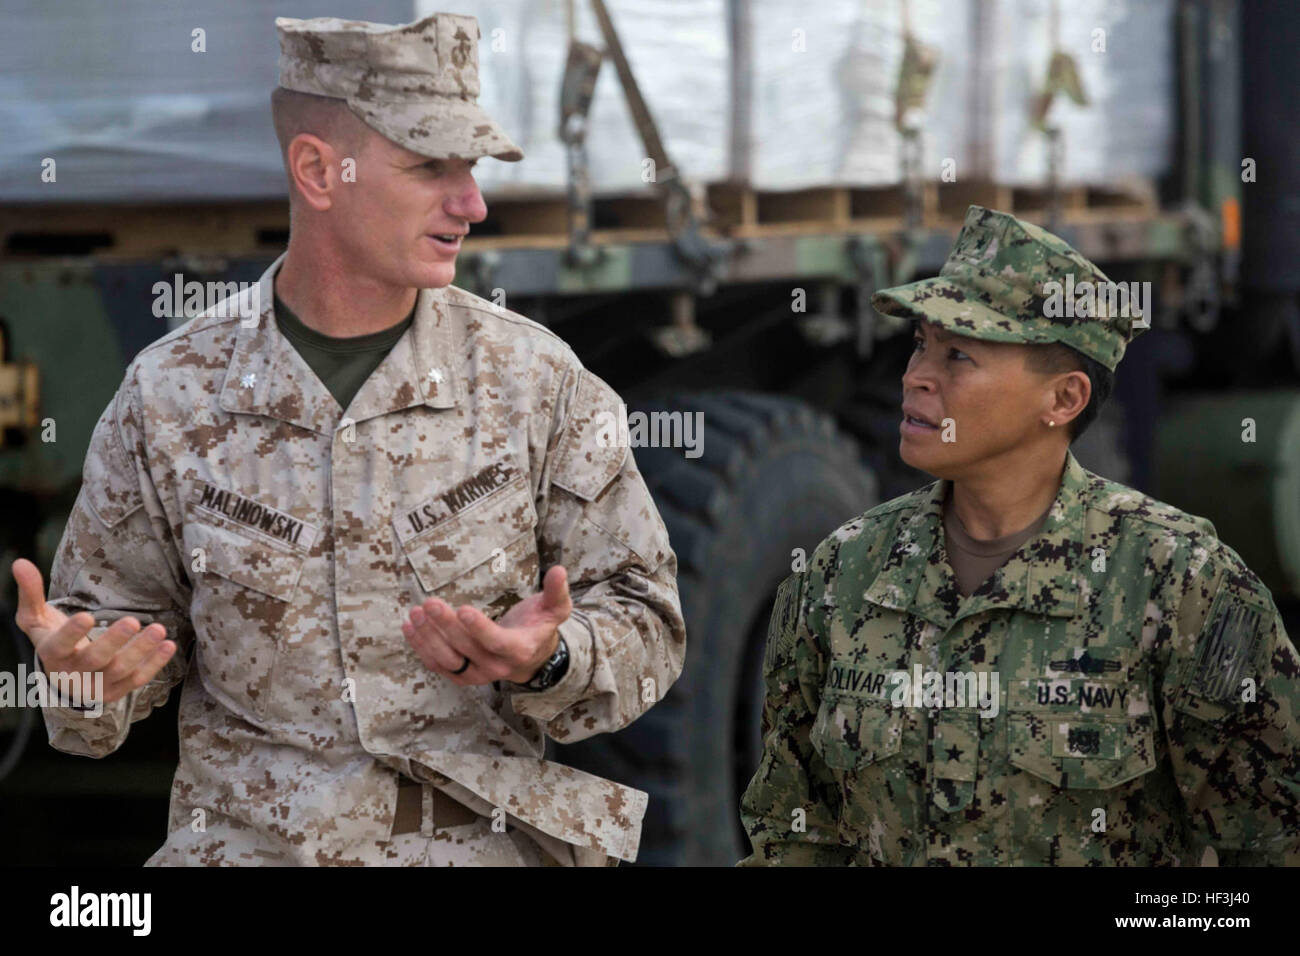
(512, 648)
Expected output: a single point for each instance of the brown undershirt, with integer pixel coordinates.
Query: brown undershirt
(974, 560)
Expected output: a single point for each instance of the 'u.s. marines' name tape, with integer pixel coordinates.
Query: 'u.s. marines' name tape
(441, 507)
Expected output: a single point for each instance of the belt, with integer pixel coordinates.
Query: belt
(445, 811)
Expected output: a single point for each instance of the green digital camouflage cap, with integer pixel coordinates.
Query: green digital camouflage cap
(1011, 281)
(417, 83)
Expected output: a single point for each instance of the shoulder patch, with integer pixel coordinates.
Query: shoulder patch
(1226, 651)
(784, 623)
(589, 454)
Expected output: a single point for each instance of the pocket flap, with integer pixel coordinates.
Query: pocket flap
(855, 731)
(1086, 753)
(469, 538)
(243, 559)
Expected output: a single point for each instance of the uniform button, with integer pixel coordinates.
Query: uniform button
(435, 375)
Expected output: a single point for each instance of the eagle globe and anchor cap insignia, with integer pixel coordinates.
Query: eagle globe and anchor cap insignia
(416, 83)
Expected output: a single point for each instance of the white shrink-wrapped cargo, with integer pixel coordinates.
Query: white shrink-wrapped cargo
(128, 110)
(1123, 50)
(117, 95)
(679, 53)
(945, 134)
(823, 81)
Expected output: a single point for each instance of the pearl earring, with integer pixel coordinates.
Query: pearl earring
(1051, 424)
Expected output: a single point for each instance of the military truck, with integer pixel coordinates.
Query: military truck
(750, 308)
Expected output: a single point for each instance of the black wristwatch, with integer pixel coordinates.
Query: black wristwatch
(551, 672)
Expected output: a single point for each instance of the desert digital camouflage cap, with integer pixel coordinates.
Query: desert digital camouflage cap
(417, 83)
(1010, 281)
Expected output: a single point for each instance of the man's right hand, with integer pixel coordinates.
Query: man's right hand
(127, 655)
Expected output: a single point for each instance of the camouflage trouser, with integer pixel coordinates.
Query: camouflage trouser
(471, 844)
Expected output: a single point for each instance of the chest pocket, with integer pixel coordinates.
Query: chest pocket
(1084, 720)
(241, 558)
(483, 554)
(242, 608)
(853, 732)
(1087, 753)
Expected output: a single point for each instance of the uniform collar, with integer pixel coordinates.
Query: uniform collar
(1041, 578)
(267, 376)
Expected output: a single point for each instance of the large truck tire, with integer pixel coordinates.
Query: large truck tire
(774, 476)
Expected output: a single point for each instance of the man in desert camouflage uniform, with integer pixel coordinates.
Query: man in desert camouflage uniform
(1147, 696)
(296, 549)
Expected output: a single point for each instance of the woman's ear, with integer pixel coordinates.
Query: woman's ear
(1070, 396)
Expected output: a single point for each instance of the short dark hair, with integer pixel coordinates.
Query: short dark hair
(294, 112)
(1055, 358)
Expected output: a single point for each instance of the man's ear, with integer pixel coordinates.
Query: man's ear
(308, 163)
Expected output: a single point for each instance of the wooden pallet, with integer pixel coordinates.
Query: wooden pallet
(542, 221)
(742, 212)
(1077, 203)
(737, 211)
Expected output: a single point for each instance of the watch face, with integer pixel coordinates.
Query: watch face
(550, 672)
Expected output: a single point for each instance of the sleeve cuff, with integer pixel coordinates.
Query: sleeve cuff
(546, 704)
(56, 701)
(80, 730)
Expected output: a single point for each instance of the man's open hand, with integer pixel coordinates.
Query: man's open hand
(510, 649)
(127, 655)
